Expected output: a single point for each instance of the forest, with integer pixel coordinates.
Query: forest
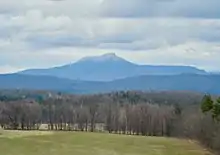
(170, 114)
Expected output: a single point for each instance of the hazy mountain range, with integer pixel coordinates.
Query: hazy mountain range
(109, 67)
(185, 82)
(111, 73)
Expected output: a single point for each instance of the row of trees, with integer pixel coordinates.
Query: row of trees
(142, 118)
(173, 114)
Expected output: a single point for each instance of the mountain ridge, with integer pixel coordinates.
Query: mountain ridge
(109, 67)
(183, 82)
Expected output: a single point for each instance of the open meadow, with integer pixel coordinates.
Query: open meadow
(77, 143)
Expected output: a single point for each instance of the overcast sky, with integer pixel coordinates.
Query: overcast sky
(45, 33)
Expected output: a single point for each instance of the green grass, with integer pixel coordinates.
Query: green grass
(75, 143)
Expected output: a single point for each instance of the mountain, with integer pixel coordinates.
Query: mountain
(185, 82)
(17, 81)
(109, 67)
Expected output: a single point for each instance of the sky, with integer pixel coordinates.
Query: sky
(48, 33)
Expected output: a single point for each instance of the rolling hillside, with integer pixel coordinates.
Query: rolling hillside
(17, 81)
(184, 82)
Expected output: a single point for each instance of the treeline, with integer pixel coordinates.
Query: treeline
(155, 97)
(171, 114)
(88, 113)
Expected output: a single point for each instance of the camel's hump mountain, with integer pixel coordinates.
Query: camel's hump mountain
(109, 67)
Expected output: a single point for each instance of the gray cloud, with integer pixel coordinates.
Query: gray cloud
(131, 34)
(180, 32)
(116, 8)
(161, 8)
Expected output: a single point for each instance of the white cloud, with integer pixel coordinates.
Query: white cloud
(33, 31)
(9, 69)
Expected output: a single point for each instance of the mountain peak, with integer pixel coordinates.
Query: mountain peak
(104, 57)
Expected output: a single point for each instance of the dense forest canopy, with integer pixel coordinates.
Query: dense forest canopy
(159, 97)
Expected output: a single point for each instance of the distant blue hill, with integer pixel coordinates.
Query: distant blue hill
(17, 81)
(184, 82)
(109, 67)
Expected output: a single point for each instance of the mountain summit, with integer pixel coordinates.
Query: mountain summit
(105, 57)
(109, 67)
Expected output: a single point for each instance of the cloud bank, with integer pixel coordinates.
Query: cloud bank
(143, 31)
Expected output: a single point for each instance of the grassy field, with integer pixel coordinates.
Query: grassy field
(72, 143)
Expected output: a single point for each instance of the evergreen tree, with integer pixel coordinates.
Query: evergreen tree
(207, 104)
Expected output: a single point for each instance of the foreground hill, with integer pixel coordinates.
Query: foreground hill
(109, 67)
(17, 81)
(68, 143)
(184, 82)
